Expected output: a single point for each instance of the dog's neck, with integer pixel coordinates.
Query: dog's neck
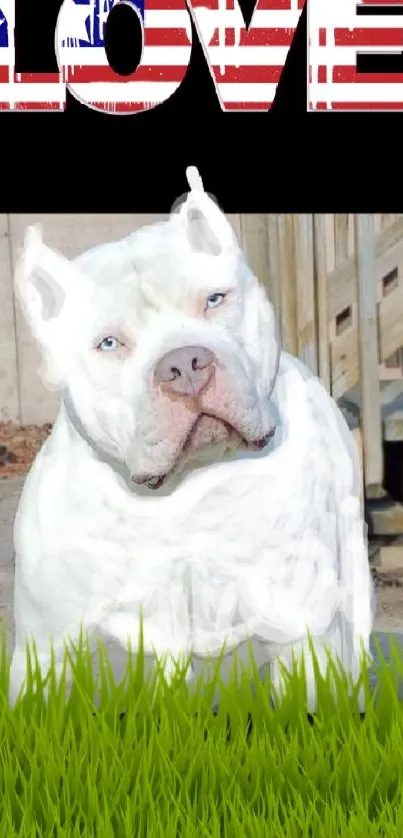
(218, 453)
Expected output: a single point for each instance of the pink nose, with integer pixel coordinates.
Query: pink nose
(185, 371)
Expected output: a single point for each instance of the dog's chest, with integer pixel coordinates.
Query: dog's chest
(244, 536)
(236, 523)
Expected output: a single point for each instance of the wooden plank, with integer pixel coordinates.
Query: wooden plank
(259, 238)
(330, 243)
(235, 219)
(357, 435)
(288, 300)
(387, 219)
(345, 365)
(254, 239)
(341, 237)
(305, 284)
(274, 268)
(385, 517)
(321, 298)
(341, 282)
(368, 350)
(391, 324)
(351, 239)
(378, 223)
(390, 373)
(393, 426)
(344, 346)
(391, 560)
(392, 411)
(9, 397)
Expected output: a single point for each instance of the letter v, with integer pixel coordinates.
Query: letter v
(245, 63)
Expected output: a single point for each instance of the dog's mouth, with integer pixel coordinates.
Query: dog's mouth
(207, 430)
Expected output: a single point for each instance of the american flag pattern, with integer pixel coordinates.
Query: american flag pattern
(245, 64)
(335, 34)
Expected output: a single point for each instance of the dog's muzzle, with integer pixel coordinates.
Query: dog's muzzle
(155, 482)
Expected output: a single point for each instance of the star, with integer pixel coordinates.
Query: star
(72, 21)
(103, 15)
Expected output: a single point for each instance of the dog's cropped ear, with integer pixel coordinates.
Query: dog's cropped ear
(46, 287)
(260, 334)
(205, 226)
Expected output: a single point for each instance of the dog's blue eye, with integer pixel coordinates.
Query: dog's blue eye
(214, 300)
(109, 344)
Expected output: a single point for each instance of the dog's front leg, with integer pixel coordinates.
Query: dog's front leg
(171, 664)
(314, 653)
(165, 633)
(19, 671)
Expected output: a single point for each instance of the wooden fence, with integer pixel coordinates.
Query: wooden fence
(335, 282)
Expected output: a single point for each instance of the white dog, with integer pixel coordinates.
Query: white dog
(194, 473)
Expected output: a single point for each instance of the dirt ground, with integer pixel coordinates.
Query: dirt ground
(19, 445)
(389, 606)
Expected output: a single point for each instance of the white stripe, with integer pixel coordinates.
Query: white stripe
(272, 19)
(160, 91)
(179, 18)
(360, 22)
(140, 92)
(25, 92)
(346, 56)
(180, 56)
(385, 92)
(234, 56)
(264, 92)
(149, 91)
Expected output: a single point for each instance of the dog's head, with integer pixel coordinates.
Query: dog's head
(164, 342)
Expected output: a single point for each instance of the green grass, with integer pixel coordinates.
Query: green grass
(171, 768)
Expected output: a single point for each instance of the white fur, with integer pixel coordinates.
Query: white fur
(238, 544)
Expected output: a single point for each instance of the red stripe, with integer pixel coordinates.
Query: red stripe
(257, 37)
(177, 37)
(37, 78)
(135, 107)
(125, 107)
(247, 106)
(39, 106)
(380, 2)
(244, 75)
(257, 74)
(29, 78)
(357, 106)
(165, 37)
(165, 5)
(369, 37)
(248, 75)
(178, 5)
(366, 106)
(322, 37)
(96, 74)
(268, 5)
(261, 5)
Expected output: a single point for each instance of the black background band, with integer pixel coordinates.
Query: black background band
(283, 160)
